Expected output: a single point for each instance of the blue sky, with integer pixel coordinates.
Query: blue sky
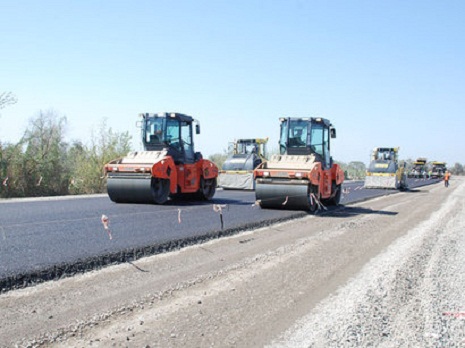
(386, 73)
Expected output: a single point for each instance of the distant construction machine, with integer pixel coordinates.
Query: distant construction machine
(438, 169)
(419, 169)
(385, 171)
(169, 166)
(303, 176)
(237, 170)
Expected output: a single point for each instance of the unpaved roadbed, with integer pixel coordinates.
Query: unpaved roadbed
(411, 295)
(380, 273)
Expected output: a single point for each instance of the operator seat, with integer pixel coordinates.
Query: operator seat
(154, 139)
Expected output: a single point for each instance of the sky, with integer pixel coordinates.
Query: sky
(385, 73)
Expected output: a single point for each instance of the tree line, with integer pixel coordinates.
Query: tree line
(44, 163)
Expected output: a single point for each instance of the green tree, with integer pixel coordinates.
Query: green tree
(457, 169)
(354, 170)
(408, 163)
(218, 158)
(11, 159)
(44, 160)
(87, 162)
(7, 98)
(42, 163)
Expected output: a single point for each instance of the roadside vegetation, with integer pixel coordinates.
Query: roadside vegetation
(44, 163)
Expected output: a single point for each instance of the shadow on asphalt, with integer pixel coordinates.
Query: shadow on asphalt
(229, 201)
(187, 202)
(353, 211)
(415, 190)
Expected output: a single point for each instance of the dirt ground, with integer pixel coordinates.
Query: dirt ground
(386, 272)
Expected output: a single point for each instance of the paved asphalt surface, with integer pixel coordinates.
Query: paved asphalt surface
(46, 238)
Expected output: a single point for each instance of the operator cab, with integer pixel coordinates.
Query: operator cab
(306, 136)
(383, 160)
(247, 147)
(385, 154)
(171, 132)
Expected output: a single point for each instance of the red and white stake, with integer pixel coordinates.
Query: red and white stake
(106, 222)
(218, 208)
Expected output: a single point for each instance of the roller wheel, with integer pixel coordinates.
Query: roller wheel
(337, 197)
(207, 189)
(160, 190)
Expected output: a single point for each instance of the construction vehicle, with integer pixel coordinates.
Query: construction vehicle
(438, 169)
(237, 171)
(303, 176)
(419, 169)
(167, 168)
(384, 170)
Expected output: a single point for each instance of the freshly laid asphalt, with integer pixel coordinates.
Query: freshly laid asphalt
(50, 238)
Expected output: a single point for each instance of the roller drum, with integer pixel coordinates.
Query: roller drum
(283, 196)
(130, 189)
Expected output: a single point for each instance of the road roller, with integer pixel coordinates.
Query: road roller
(237, 171)
(384, 171)
(168, 168)
(303, 175)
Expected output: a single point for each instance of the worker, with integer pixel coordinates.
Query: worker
(446, 178)
(298, 140)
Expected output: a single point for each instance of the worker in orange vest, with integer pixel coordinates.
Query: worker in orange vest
(446, 178)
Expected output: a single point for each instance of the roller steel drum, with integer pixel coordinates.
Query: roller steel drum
(137, 189)
(284, 196)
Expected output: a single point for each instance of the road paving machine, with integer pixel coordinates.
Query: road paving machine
(237, 170)
(384, 170)
(438, 169)
(168, 166)
(303, 176)
(419, 169)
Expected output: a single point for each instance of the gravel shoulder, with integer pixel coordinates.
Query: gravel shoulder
(385, 272)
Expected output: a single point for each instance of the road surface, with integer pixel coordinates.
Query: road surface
(383, 272)
(44, 239)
